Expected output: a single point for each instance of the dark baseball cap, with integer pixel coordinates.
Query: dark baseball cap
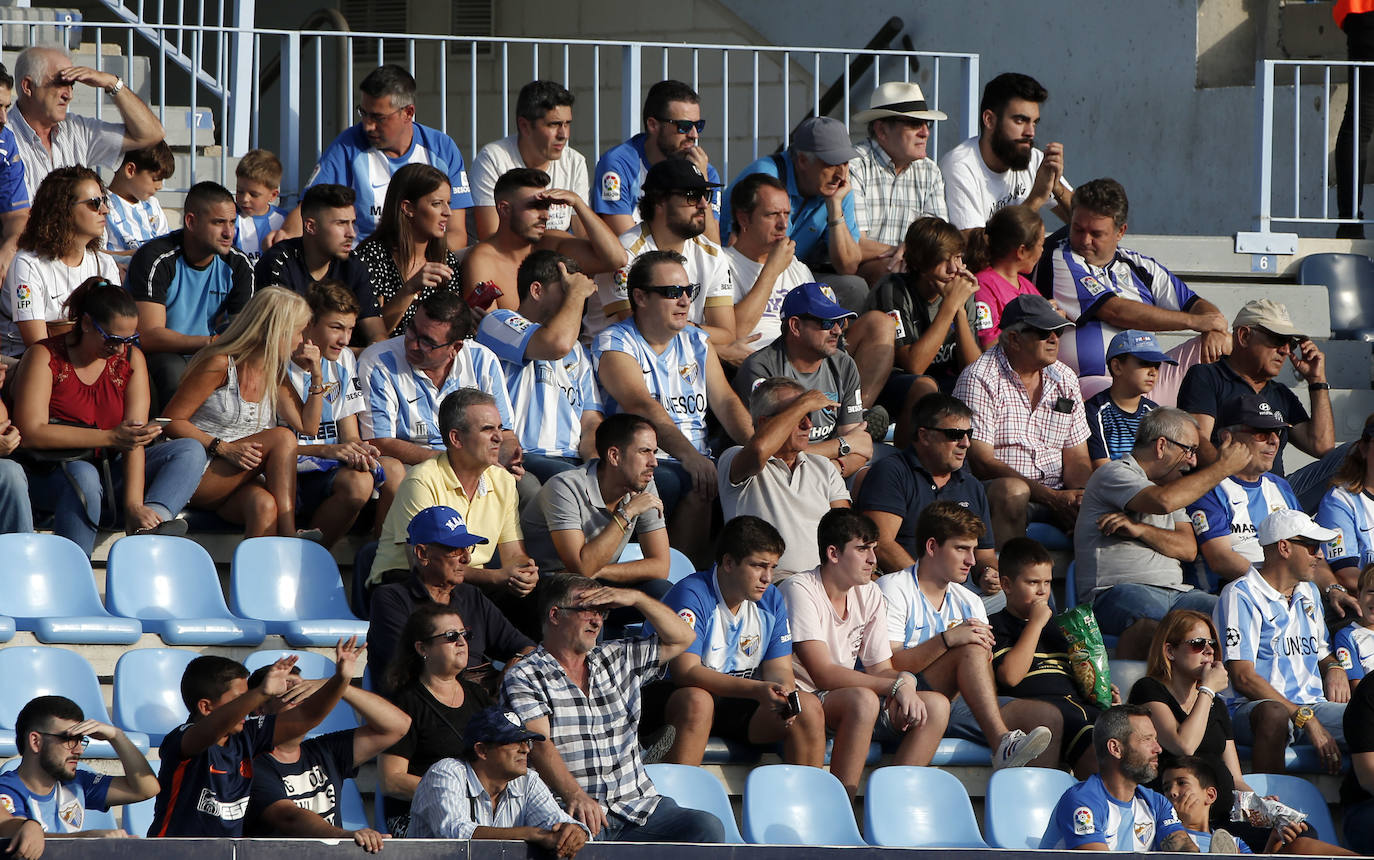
(496, 725)
(1251, 410)
(442, 525)
(677, 174)
(1033, 310)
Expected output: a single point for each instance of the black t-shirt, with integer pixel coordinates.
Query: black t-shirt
(207, 793)
(1050, 673)
(313, 782)
(895, 295)
(1213, 744)
(436, 730)
(1208, 387)
(1359, 737)
(283, 265)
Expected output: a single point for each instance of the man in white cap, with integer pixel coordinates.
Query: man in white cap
(1286, 686)
(824, 224)
(1263, 338)
(895, 180)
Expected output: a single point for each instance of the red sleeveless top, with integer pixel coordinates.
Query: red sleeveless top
(100, 404)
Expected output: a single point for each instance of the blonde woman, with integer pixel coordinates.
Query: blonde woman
(229, 401)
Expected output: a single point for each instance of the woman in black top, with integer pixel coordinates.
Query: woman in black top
(426, 675)
(1183, 675)
(407, 257)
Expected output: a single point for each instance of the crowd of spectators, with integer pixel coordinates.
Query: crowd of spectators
(641, 362)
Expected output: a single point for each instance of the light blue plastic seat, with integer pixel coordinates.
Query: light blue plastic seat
(29, 671)
(1125, 673)
(1349, 282)
(1302, 796)
(919, 807)
(293, 586)
(679, 566)
(49, 590)
(138, 817)
(787, 804)
(352, 813)
(170, 584)
(1019, 803)
(147, 691)
(632, 552)
(695, 788)
(312, 665)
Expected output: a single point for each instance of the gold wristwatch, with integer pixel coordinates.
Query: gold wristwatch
(1303, 714)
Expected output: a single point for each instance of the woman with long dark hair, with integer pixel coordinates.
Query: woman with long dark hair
(1000, 255)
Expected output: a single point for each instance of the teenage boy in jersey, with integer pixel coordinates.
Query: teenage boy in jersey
(735, 678)
(298, 786)
(939, 630)
(1224, 520)
(1286, 686)
(207, 763)
(52, 733)
(1112, 810)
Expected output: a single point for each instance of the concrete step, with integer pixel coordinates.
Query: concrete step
(1216, 257)
(47, 27)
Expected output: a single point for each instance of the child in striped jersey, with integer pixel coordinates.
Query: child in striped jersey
(135, 214)
(1133, 360)
(259, 184)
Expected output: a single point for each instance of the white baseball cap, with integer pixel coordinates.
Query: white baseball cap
(1287, 524)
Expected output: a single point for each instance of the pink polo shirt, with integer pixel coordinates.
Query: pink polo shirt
(994, 292)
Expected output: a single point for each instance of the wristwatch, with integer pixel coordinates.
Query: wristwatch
(845, 447)
(1304, 714)
(115, 88)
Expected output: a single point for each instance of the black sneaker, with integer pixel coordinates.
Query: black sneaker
(659, 743)
(878, 422)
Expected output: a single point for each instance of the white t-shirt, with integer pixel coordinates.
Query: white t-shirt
(744, 271)
(973, 193)
(568, 173)
(36, 287)
(861, 634)
(706, 265)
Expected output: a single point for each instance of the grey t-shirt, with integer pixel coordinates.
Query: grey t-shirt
(572, 500)
(1104, 561)
(838, 377)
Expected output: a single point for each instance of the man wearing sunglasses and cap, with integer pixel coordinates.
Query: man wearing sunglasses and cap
(490, 793)
(1286, 686)
(675, 208)
(895, 180)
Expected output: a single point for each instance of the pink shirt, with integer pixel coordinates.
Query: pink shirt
(994, 292)
(861, 633)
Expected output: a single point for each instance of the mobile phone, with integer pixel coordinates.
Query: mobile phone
(793, 704)
(483, 294)
(161, 422)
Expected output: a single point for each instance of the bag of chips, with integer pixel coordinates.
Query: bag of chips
(1264, 812)
(1087, 654)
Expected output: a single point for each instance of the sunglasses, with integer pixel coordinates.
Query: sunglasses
(69, 741)
(673, 291)
(1309, 545)
(1040, 333)
(684, 125)
(1279, 341)
(827, 325)
(692, 195)
(586, 610)
(953, 434)
(95, 204)
(452, 636)
(113, 341)
(1200, 644)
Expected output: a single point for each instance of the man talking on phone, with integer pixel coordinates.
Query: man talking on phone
(735, 680)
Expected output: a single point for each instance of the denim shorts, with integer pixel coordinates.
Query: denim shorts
(1122, 605)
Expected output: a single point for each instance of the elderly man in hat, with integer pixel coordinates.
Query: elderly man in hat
(824, 224)
(895, 180)
(490, 793)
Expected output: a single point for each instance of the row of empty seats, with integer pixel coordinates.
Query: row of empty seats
(911, 807)
(169, 586)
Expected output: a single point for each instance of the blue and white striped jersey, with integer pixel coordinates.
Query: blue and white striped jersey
(1352, 514)
(728, 643)
(402, 403)
(1284, 638)
(548, 397)
(250, 230)
(1081, 288)
(343, 394)
(1236, 508)
(1087, 814)
(676, 379)
(129, 225)
(911, 619)
(1353, 646)
(351, 160)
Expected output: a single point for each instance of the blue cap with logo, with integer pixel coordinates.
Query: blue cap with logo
(496, 725)
(1141, 344)
(442, 525)
(813, 300)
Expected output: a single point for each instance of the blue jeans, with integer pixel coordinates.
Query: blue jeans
(1122, 605)
(16, 514)
(672, 482)
(1330, 714)
(171, 473)
(544, 467)
(668, 823)
(1312, 481)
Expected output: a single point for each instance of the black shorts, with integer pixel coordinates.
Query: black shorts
(1079, 717)
(731, 720)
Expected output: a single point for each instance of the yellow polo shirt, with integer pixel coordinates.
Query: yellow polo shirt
(492, 512)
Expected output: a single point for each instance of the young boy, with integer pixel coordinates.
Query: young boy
(207, 763)
(259, 185)
(135, 215)
(1191, 787)
(1353, 644)
(1133, 360)
(1030, 656)
(336, 467)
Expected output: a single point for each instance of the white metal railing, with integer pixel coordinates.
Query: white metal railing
(468, 86)
(1297, 135)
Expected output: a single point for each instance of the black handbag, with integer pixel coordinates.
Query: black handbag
(42, 461)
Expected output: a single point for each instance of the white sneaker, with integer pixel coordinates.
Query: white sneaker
(1017, 748)
(1223, 843)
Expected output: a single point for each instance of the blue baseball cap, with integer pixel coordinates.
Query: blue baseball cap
(813, 300)
(496, 725)
(442, 525)
(1141, 344)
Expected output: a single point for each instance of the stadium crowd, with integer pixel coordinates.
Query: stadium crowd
(532, 405)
